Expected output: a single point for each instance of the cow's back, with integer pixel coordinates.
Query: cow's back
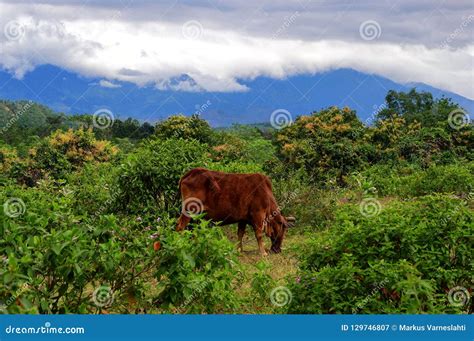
(228, 197)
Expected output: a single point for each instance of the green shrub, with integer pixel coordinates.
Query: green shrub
(311, 206)
(415, 127)
(58, 261)
(93, 189)
(328, 144)
(54, 258)
(8, 157)
(236, 167)
(411, 181)
(183, 127)
(403, 260)
(242, 145)
(261, 283)
(60, 154)
(148, 178)
(197, 270)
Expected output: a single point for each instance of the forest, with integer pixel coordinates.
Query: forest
(384, 213)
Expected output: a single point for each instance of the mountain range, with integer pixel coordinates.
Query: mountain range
(68, 92)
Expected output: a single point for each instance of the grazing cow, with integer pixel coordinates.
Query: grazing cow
(234, 198)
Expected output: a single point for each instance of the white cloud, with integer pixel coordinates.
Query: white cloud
(108, 84)
(157, 52)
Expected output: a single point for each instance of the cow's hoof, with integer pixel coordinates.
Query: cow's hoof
(264, 254)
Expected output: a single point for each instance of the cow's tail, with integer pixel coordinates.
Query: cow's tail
(178, 194)
(181, 180)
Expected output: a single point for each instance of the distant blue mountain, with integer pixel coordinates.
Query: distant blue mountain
(73, 94)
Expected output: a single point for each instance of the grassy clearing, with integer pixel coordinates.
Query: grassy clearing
(277, 268)
(282, 264)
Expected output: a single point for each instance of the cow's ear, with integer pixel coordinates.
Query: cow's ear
(291, 221)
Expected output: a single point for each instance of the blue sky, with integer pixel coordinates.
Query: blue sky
(219, 43)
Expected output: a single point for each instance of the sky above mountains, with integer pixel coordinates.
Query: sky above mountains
(220, 44)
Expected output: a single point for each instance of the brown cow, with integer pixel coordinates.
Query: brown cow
(234, 198)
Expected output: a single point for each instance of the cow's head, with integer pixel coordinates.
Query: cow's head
(279, 224)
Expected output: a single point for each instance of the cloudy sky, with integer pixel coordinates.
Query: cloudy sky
(219, 43)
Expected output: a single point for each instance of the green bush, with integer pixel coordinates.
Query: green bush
(411, 181)
(329, 144)
(403, 260)
(415, 127)
(148, 178)
(244, 145)
(241, 150)
(236, 167)
(183, 127)
(55, 259)
(261, 283)
(311, 206)
(93, 189)
(60, 154)
(197, 271)
(58, 261)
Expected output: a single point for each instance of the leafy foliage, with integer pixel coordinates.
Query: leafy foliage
(197, 270)
(55, 259)
(149, 177)
(53, 255)
(408, 181)
(180, 126)
(327, 144)
(412, 252)
(100, 206)
(60, 154)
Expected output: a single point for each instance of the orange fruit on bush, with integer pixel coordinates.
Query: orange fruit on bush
(156, 245)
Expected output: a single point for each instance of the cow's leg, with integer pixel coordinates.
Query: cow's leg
(259, 236)
(240, 234)
(183, 221)
(258, 223)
